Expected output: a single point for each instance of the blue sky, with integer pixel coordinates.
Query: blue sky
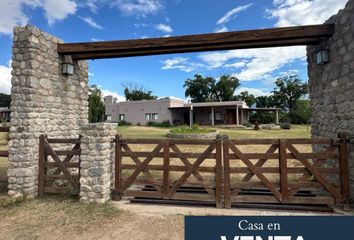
(103, 20)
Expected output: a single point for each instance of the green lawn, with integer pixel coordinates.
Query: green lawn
(296, 131)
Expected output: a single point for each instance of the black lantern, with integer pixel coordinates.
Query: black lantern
(322, 56)
(67, 68)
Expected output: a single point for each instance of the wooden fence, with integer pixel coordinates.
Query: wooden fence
(59, 174)
(4, 153)
(226, 172)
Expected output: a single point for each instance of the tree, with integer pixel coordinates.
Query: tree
(301, 113)
(265, 102)
(224, 89)
(134, 92)
(289, 89)
(246, 97)
(96, 104)
(200, 88)
(5, 100)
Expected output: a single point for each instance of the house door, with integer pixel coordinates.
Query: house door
(231, 116)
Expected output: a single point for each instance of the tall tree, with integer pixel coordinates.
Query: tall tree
(199, 89)
(134, 92)
(5, 100)
(245, 96)
(96, 104)
(289, 89)
(224, 89)
(266, 101)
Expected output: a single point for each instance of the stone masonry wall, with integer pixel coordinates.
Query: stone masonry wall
(97, 155)
(43, 101)
(332, 84)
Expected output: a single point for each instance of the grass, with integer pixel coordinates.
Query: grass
(297, 131)
(3, 161)
(30, 218)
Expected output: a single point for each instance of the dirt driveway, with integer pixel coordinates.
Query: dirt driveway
(47, 219)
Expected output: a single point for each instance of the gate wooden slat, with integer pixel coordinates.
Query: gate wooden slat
(227, 184)
(187, 163)
(195, 165)
(166, 168)
(61, 166)
(344, 167)
(317, 164)
(283, 171)
(315, 173)
(250, 165)
(142, 166)
(41, 170)
(136, 160)
(218, 173)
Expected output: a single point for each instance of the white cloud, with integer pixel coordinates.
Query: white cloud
(91, 22)
(96, 40)
(5, 78)
(139, 8)
(182, 64)
(255, 91)
(119, 97)
(58, 10)
(232, 14)
(164, 28)
(260, 62)
(221, 29)
(13, 12)
(304, 12)
(93, 5)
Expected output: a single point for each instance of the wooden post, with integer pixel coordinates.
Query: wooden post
(344, 166)
(227, 186)
(41, 163)
(166, 169)
(117, 169)
(283, 171)
(218, 171)
(212, 117)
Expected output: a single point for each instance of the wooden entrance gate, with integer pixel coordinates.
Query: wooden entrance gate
(58, 174)
(226, 172)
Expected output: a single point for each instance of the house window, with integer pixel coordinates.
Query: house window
(121, 117)
(155, 116)
(151, 116)
(218, 116)
(109, 118)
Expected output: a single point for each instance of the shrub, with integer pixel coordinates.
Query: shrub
(285, 125)
(138, 124)
(195, 129)
(247, 124)
(158, 124)
(124, 123)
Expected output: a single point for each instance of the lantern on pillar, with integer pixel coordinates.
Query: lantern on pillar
(322, 56)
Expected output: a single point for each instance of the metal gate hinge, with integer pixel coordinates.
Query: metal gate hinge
(349, 140)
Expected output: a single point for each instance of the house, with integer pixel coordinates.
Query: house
(178, 112)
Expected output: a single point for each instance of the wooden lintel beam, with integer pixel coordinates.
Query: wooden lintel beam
(274, 37)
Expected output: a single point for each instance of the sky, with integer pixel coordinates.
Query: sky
(164, 75)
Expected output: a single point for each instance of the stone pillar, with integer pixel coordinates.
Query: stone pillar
(97, 155)
(43, 101)
(332, 84)
(212, 117)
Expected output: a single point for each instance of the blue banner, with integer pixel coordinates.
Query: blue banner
(269, 228)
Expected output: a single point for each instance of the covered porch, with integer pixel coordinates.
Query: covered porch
(216, 113)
